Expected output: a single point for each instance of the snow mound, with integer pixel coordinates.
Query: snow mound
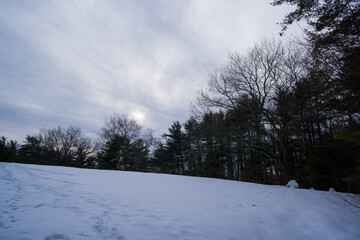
(292, 184)
(331, 190)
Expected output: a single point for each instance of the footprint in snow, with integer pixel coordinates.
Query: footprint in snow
(40, 205)
(56, 236)
(106, 232)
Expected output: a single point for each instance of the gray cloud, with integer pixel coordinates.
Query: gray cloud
(76, 62)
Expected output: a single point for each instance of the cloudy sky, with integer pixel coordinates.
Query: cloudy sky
(76, 62)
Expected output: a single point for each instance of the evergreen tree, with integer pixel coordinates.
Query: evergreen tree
(161, 160)
(8, 150)
(175, 145)
(32, 150)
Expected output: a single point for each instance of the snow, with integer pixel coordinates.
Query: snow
(292, 184)
(48, 203)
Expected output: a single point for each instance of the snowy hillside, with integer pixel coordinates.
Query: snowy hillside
(43, 202)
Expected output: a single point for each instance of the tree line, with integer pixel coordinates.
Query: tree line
(280, 111)
(122, 145)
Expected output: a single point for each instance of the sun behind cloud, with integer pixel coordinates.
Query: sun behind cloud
(138, 116)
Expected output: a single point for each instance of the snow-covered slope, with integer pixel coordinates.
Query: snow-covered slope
(43, 202)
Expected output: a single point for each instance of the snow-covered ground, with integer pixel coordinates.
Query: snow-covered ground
(44, 202)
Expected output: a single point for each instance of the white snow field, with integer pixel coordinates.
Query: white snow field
(47, 203)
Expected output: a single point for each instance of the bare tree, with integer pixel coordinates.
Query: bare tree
(124, 144)
(266, 74)
(121, 125)
(63, 146)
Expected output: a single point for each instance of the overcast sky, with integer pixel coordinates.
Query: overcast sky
(78, 62)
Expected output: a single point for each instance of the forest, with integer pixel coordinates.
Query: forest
(283, 110)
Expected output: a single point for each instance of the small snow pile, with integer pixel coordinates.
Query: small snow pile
(292, 184)
(331, 190)
(311, 189)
